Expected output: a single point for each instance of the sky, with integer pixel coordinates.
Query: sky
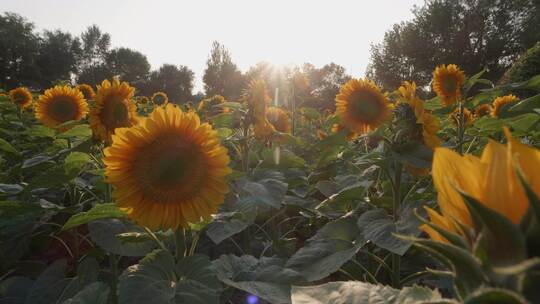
(181, 32)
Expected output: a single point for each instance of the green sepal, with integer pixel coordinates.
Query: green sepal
(453, 238)
(501, 240)
(468, 273)
(530, 223)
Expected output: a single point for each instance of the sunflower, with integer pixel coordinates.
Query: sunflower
(87, 91)
(257, 99)
(3, 95)
(160, 98)
(59, 105)
(490, 179)
(362, 106)
(467, 116)
(21, 96)
(263, 130)
(428, 123)
(113, 109)
(169, 170)
(482, 110)
(142, 99)
(447, 82)
(499, 102)
(279, 118)
(349, 135)
(211, 105)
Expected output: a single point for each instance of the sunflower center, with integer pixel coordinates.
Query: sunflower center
(170, 169)
(159, 99)
(450, 85)
(365, 106)
(63, 109)
(115, 113)
(19, 97)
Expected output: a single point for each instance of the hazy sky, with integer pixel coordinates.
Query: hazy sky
(181, 32)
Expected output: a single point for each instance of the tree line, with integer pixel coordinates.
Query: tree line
(474, 34)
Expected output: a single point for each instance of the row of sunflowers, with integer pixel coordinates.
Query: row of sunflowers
(108, 197)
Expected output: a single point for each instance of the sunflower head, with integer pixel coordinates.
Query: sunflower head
(169, 170)
(362, 106)
(447, 83)
(415, 122)
(21, 96)
(490, 179)
(142, 99)
(263, 130)
(350, 135)
(160, 98)
(256, 96)
(500, 102)
(87, 91)
(279, 118)
(59, 105)
(113, 109)
(210, 105)
(467, 116)
(482, 110)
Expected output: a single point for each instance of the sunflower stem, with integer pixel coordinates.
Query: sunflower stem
(461, 127)
(155, 238)
(396, 258)
(180, 241)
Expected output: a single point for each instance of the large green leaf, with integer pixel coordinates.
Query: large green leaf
(104, 234)
(353, 292)
(100, 211)
(75, 162)
(378, 227)
(264, 187)
(331, 247)
(266, 278)
(95, 293)
(495, 296)
(158, 280)
(7, 147)
(78, 131)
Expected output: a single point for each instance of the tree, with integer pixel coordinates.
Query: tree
(324, 84)
(176, 82)
(471, 33)
(93, 59)
(19, 48)
(57, 59)
(130, 65)
(221, 76)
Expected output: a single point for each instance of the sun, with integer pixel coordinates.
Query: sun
(362, 106)
(59, 105)
(113, 109)
(169, 170)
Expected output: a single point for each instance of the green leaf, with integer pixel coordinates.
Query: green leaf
(223, 120)
(101, 211)
(354, 292)
(266, 278)
(10, 189)
(95, 293)
(41, 131)
(502, 241)
(471, 81)
(526, 105)
(36, 160)
(495, 296)
(224, 132)
(104, 234)
(524, 123)
(266, 188)
(228, 224)
(378, 227)
(331, 247)
(7, 147)
(156, 279)
(78, 131)
(286, 158)
(75, 162)
(230, 105)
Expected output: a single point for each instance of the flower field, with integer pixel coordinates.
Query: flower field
(111, 197)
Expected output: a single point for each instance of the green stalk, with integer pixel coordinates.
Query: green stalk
(396, 258)
(461, 127)
(180, 241)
